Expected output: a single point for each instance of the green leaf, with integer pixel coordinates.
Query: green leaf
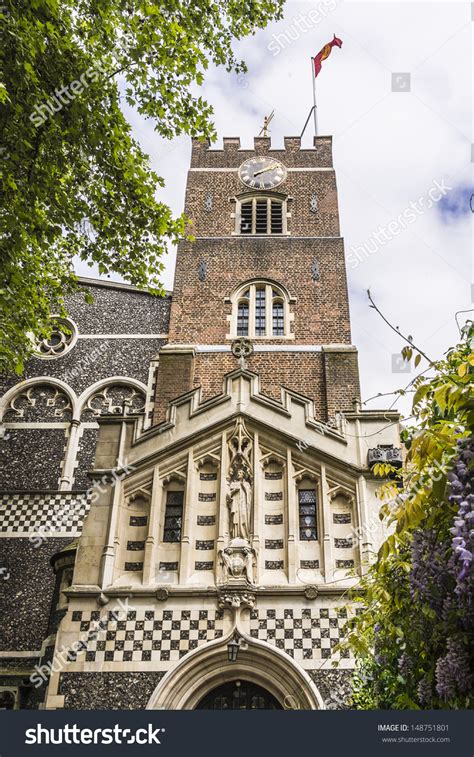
(75, 183)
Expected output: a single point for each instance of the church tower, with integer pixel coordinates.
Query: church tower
(266, 264)
(248, 506)
(232, 512)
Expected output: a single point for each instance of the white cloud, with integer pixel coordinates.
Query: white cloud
(388, 149)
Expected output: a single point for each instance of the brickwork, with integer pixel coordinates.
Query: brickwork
(341, 376)
(321, 312)
(308, 264)
(175, 377)
(299, 186)
(292, 155)
(301, 372)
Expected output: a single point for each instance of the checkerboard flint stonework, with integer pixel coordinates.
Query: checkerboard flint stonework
(304, 633)
(145, 635)
(62, 513)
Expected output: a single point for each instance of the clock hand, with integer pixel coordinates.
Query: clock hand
(268, 168)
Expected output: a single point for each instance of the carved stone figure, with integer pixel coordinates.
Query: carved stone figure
(235, 598)
(226, 563)
(249, 555)
(242, 348)
(239, 484)
(239, 501)
(237, 562)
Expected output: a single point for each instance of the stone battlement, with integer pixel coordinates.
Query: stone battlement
(231, 155)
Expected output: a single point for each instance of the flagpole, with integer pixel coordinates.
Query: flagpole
(315, 107)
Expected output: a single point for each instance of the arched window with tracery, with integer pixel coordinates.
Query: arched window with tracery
(260, 310)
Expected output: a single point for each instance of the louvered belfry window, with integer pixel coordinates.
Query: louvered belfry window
(261, 215)
(246, 218)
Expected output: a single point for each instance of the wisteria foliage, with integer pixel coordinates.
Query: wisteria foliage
(414, 639)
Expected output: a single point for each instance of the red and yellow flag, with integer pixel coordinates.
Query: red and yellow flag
(325, 53)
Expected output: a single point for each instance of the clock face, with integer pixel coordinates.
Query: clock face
(262, 173)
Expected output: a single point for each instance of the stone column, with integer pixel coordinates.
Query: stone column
(109, 552)
(221, 525)
(71, 455)
(292, 521)
(258, 529)
(153, 536)
(362, 526)
(113, 538)
(326, 530)
(186, 546)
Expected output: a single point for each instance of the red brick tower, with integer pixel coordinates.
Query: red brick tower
(267, 264)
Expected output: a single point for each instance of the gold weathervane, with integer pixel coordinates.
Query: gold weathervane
(266, 121)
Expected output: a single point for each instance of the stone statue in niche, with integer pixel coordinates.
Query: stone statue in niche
(239, 484)
(238, 558)
(239, 501)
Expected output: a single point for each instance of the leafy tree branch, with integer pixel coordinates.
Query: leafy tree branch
(75, 182)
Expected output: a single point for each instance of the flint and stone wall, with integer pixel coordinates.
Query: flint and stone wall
(41, 511)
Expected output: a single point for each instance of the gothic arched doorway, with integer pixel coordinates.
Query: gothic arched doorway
(239, 695)
(202, 672)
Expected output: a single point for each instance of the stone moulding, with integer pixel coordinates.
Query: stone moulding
(234, 597)
(201, 670)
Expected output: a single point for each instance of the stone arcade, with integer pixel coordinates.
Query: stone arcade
(187, 486)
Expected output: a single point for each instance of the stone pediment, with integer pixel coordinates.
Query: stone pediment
(189, 418)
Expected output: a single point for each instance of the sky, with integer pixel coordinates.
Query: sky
(397, 100)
